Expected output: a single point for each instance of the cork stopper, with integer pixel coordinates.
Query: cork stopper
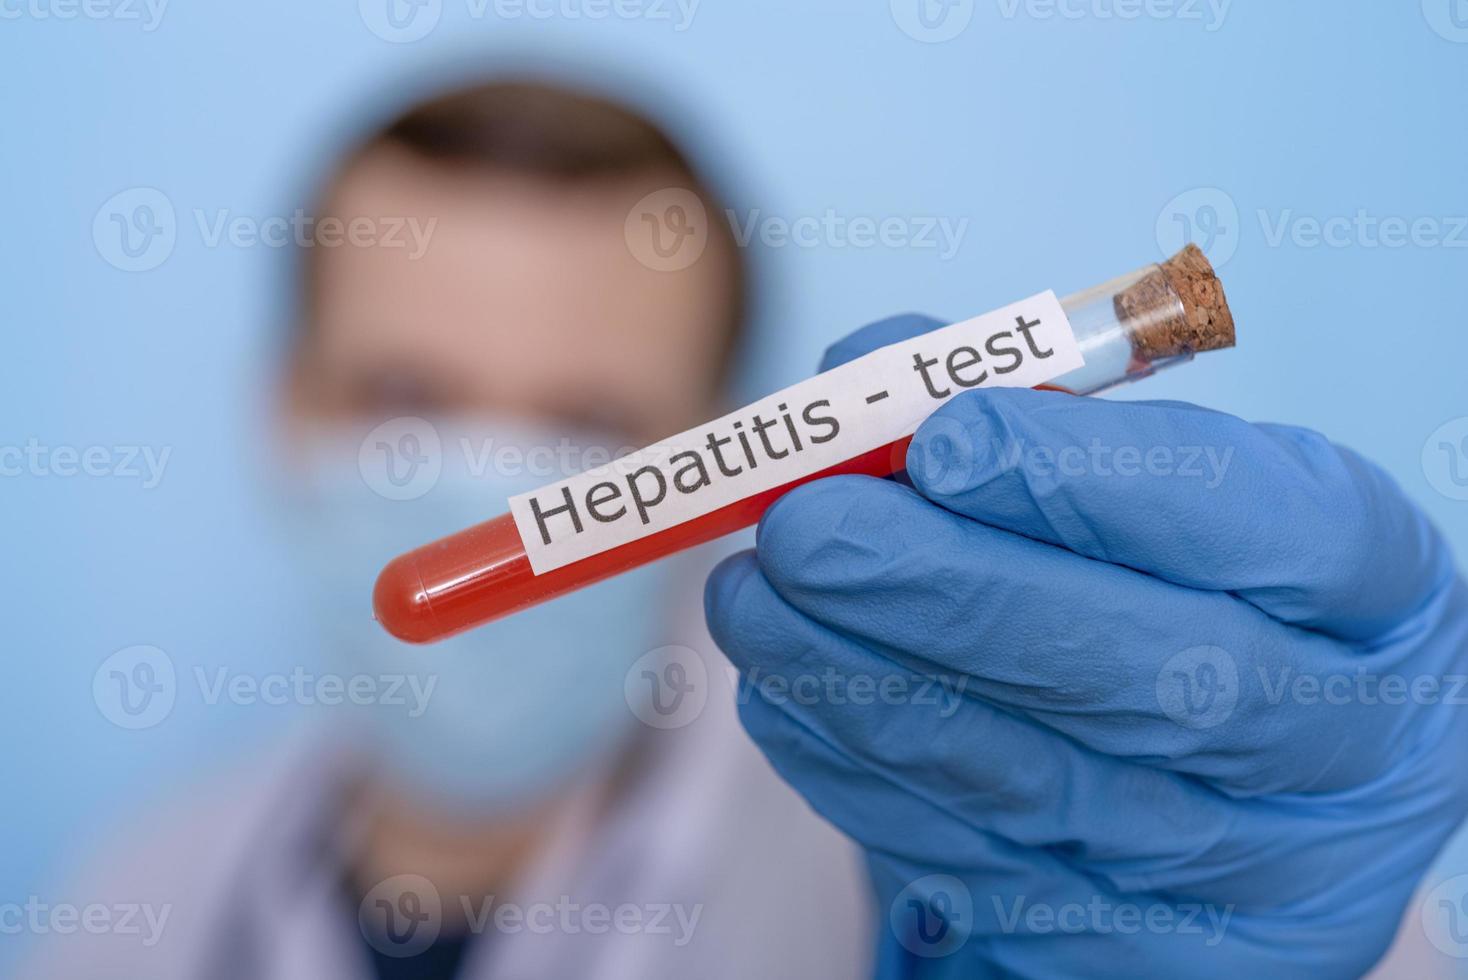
(1177, 308)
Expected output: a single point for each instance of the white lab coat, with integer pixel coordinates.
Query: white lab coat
(251, 882)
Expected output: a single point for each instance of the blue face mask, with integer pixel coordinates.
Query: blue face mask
(516, 708)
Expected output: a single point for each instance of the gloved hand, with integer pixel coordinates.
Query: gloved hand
(1113, 689)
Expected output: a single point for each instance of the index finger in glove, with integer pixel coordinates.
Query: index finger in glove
(1306, 531)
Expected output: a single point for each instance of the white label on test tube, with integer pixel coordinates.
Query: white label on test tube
(843, 413)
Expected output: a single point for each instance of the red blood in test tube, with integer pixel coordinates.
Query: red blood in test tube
(481, 574)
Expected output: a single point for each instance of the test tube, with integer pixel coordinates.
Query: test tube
(1128, 328)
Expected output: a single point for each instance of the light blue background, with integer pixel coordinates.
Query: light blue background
(1061, 141)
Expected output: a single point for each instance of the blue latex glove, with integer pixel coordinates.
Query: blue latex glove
(1121, 771)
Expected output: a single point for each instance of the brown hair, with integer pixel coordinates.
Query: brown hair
(551, 133)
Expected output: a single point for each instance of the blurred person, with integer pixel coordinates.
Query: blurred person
(1011, 833)
(515, 819)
